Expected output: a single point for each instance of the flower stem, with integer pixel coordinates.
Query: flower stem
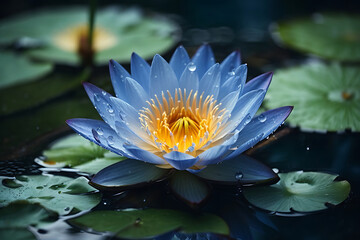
(92, 10)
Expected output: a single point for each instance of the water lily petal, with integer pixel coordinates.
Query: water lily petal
(99, 133)
(244, 146)
(101, 102)
(243, 169)
(260, 82)
(179, 61)
(210, 82)
(235, 82)
(135, 94)
(230, 100)
(189, 188)
(118, 75)
(126, 113)
(214, 154)
(179, 160)
(144, 155)
(189, 79)
(265, 124)
(140, 71)
(203, 59)
(127, 173)
(162, 77)
(242, 113)
(230, 64)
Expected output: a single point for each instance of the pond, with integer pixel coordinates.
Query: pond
(230, 163)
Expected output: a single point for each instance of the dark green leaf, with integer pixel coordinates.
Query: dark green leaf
(299, 191)
(242, 169)
(57, 193)
(136, 224)
(16, 234)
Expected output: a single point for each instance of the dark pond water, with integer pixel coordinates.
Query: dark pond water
(239, 25)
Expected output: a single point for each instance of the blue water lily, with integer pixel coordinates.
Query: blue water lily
(189, 114)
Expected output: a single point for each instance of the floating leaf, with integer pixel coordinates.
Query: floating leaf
(22, 214)
(333, 36)
(15, 69)
(299, 191)
(127, 174)
(325, 97)
(189, 188)
(79, 153)
(136, 224)
(118, 32)
(20, 97)
(242, 169)
(57, 193)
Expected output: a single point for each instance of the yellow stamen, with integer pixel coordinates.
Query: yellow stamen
(184, 122)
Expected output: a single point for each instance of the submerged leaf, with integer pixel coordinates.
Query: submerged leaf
(333, 36)
(299, 191)
(325, 97)
(57, 193)
(137, 224)
(79, 153)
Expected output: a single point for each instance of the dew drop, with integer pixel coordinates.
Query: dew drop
(110, 140)
(109, 109)
(307, 148)
(103, 93)
(262, 118)
(239, 175)
(247, 120)
(100, 131)
(275, 170)
(192, 67)
(96, 97)
(232, 73)
(67, 209)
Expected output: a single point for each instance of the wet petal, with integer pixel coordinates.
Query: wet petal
(179, 160)
(135, 94)
(260, 82)
(203, 59)
(189, 80)
(140, 71)
(229, 65)
(210, 82)
(235, 82)
(118, 75)
(179, 61)
(144, 155)
(162, 77)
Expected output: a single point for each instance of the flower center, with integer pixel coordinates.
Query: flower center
(185, 123)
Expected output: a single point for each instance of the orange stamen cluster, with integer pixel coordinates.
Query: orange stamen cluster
(184, 123)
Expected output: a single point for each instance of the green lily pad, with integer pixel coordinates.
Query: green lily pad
(57, 193)
(79, 153)
(16, 234)
(16, 69)
(332, 36)
(137, 224)
(299, 191)
(325, 97)
(31, 94)
(118, 32)
(22, 214)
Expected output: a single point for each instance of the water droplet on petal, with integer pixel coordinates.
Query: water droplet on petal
(100, 131)
(192, 67)
(109, 109)
(239, 175)
(247, 119)
(262, 118)
(103, 93)
(110, 140)
(307, 148)
(96, 97)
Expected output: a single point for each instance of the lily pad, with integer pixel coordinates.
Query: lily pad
(22, 214)
(79, 153)
(325, 97)
(16, 98)
(332, 36)
(299, 191)
(57, 193)
(16, 69)
(118, 32)
(137, 224)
